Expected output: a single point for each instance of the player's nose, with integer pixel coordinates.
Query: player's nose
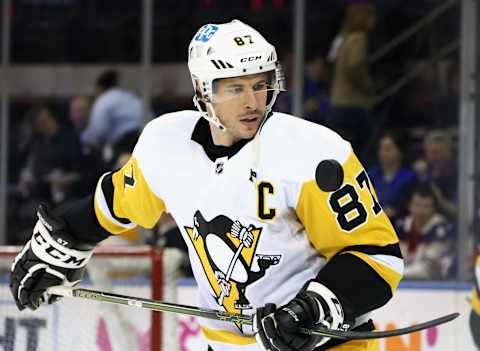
(250, 100)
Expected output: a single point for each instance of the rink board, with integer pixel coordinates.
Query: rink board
(76, 324)
(413, 303)
(98, 326)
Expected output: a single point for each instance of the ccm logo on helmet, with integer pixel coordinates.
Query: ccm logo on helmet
(251, 58)
(58, 255)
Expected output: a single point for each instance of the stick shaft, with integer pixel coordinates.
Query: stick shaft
(68, 291)
(148, 304)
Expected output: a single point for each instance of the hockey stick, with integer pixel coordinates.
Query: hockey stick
(68, 291)
(232, 264)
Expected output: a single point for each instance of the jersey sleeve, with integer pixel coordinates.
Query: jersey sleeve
(349, 228)
(124, 199)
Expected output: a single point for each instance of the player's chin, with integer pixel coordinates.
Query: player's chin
(248, 133)
(248, 129)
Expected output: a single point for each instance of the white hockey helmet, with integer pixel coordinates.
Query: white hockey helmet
(230, 50)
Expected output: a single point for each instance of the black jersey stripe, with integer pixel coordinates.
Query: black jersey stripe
(347, 273)
(108, 190)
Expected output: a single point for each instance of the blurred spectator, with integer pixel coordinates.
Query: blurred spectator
(391, 180)
(438, 168)
(79, 112)
(53, 153)
(91, 164)
(317, 77)
(116, 118)
(426, 238)
(352, 87)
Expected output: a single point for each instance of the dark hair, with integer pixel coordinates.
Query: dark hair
(424, 190)
(397, 137)
(36, 110)
(108, 79)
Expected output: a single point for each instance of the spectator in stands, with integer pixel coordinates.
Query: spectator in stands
(315, 88)
(426, 238)
(392, 181)
(116, 118)
(352, 86)
(53, 152)
(79, 112)
(438, 168)
(91, 166)
(317, 78)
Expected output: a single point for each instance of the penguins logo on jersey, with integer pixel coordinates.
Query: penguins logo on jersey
(227, 251)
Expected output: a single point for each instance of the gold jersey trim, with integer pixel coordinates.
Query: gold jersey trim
(107, 224)
(227, 337)
(475, 301)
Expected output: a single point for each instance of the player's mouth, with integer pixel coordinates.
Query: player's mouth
(250, 121)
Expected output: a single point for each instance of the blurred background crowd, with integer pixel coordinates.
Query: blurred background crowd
(398, 107)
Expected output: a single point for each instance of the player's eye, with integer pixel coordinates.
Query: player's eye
(260, 86)
(235, 90)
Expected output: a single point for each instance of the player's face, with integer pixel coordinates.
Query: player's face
(240, 105)
(437, 152)
(422, 208)
(388, 152)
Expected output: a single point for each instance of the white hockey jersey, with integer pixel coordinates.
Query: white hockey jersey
(256, 224)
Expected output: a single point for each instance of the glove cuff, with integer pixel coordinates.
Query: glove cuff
(48, 250)
(331, 310)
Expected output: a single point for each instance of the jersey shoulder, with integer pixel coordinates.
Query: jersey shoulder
(163, 139)
(302, 144)
(182, 122)
(166, 131)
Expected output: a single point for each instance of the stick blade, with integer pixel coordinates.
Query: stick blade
(355, 335)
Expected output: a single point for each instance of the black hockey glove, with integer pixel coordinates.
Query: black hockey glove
(277, 328)
(50, 258)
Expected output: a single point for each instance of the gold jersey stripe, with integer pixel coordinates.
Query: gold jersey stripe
(131, 235)
(227, 337)
(322, 224)
(358, 345)
(475, 301)
(475, 292)
(133, 199)
(389, 275)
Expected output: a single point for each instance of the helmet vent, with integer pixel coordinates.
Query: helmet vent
(219, 64)
(271, 57)
(210, 51)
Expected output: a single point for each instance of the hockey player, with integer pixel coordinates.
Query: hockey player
(239, 179)
(475, 313)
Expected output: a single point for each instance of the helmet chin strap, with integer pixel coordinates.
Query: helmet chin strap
(213, 118)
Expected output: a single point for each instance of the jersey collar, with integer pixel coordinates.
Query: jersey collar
(203, 136)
